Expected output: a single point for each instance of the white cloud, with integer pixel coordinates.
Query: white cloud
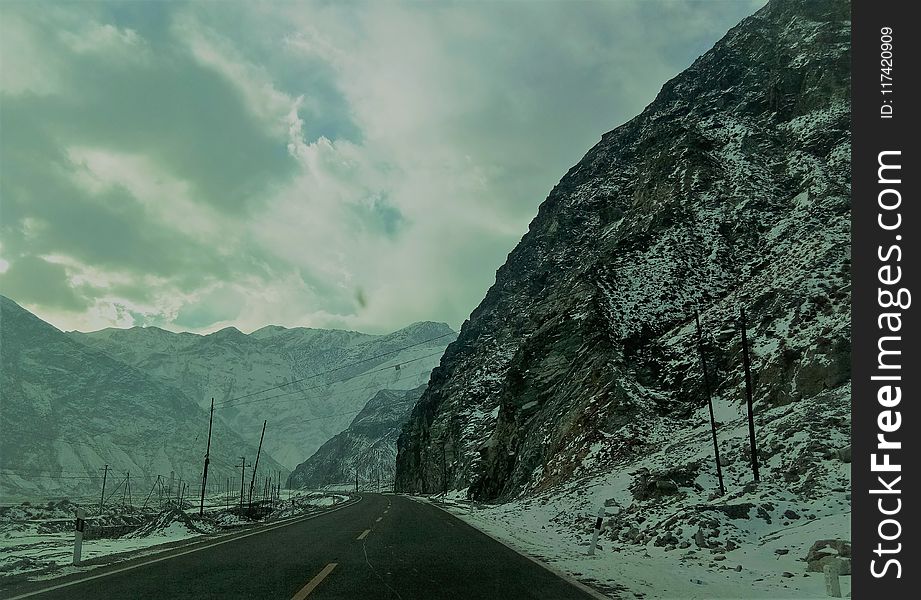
(165, 198)
(26, 66)
(106, 40)
(262, 97)
(465, 116)
(32, 59)
(463, 131)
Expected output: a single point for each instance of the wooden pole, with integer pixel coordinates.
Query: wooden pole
(256, 465)
(150, 493)
(204, 476)
(105, 471)
(242, 476)
(703, 366)
(748, 394)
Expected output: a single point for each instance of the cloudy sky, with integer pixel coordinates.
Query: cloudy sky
(326, 164)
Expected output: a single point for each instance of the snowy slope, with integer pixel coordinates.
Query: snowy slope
(368, 444)
(66, 410)
(231, 367)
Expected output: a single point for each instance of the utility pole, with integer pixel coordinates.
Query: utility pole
(204, 477)
(150, 493)
(105, 471)
(703, 366)
(256, 465)
(748, 394)
(242, 466)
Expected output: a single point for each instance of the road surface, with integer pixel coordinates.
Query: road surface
(382, 547)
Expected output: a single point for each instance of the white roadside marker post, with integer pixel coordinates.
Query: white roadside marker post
(832, 586)
(591, 549)
(79, 525)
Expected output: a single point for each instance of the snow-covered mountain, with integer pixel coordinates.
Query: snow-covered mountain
(730, 190)
(576, 383)
(66, 410)
(321, 378)
(368, 444)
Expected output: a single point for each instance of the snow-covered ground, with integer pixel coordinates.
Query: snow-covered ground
(678, 539)
(36, 542)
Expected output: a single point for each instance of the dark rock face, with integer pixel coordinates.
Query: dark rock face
(369, 443)
(731, 189)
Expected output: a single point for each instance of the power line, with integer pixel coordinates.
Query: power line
(326, 385)
(45, 471)
(33, 476)
(48, 475)
(339, 368)
(349, 412)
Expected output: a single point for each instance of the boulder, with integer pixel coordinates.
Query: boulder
(833, 552)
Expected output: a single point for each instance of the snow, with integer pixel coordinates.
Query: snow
(30, 550)
(754, 534)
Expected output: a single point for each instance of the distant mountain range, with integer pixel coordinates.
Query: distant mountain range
(137, 398)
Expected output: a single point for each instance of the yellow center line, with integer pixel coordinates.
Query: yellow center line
(364, 534)
(305, 591)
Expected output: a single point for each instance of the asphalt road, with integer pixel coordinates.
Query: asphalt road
(383, 547)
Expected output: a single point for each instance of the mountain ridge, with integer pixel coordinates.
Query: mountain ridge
(730, 189)
(68, 409)
(309, 375)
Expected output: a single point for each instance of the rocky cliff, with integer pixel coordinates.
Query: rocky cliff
(369, 444)
(730, 190)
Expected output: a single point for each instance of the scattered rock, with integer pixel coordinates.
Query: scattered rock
(789, 514)
(738, 568)
(667, 539)
(844, 454)
(787, 574)
(734, 511)
(699, 539)
(833, 552)
(782, 551)
(719, 557)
